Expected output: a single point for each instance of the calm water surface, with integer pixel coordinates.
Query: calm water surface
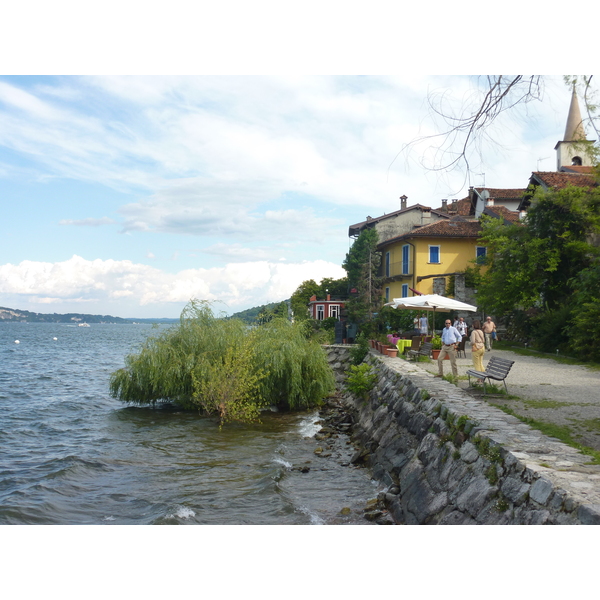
(71, 454)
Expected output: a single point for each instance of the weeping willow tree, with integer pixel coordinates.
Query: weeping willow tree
(223, 368)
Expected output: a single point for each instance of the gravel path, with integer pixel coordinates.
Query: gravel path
(548, 391)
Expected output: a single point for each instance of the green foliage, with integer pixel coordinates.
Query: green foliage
(358, 353)
(543, 277)
(250, 315)
(533, 265)
(272, 311)
(436, 342)
(585, 336)
(338, 288)
(299, 374)
(552, 329)
(362, 265)
(232, 387)
(224, 368)
(361, 380)
(392, 319)
(301, 297)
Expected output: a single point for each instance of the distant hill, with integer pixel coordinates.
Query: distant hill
(14, 314)
(249, 316)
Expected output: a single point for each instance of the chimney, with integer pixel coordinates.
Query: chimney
(403, 200)
(328, 297)
(490, 202)
(426, 216)
(445, 204)
(454, 206)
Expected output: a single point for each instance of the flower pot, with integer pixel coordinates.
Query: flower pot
(393, 352)
(435, 354)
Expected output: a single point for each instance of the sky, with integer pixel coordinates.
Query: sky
(129, 195)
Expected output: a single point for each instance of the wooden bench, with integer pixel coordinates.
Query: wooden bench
(497, 369)
(424, 350)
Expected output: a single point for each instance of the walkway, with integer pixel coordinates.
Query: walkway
(548, 391)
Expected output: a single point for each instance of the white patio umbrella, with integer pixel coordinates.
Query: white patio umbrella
(431, 302)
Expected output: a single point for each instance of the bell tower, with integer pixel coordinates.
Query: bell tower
(572, 151)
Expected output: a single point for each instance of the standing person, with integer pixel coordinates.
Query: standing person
(450, 337)
(488, 328)
(423, 324)
(461, 326)
(477, 346)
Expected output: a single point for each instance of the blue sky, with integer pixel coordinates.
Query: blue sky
(129, 195)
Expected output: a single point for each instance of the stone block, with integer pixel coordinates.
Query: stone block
(457, 518)
(419, 424)
(540, 490)
(515, 490)
(589, 514)
(475, 496)
(468, 452)
(428, 448)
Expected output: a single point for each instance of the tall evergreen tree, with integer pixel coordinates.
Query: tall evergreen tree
(362, 265)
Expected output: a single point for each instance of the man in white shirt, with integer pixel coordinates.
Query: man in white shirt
(450, 337)
(461, 326)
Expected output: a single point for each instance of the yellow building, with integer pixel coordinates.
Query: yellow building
(425, 258)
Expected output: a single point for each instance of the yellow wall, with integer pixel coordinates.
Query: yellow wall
(456, 254)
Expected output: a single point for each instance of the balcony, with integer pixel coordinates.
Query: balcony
(397, 271)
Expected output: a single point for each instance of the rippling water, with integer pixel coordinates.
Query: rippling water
(71, 454)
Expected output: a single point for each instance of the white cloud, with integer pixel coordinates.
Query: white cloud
(89, 222)
(238, 285)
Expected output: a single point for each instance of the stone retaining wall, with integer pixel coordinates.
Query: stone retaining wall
(447, 458)
(338, 356)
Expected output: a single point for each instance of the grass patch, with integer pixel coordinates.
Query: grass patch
(560, 432)
(564, 360)
(494, 390)
(590, 424)
(545, 403)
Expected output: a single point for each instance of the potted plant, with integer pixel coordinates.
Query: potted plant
(436, 346)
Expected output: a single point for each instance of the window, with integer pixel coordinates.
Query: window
(434, 254)
(387, 294)
(405, 290)
(320, 312)
(334, 311)
(481, 253)
(405, 259)
(387, 264)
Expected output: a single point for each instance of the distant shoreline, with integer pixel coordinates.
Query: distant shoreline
(14, 315)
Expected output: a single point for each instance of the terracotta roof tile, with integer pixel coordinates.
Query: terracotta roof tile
(578, 169)
(453, 228)
(503, 212)
(559, 180)
(502, 193)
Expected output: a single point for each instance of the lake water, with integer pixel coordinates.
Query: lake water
(71, 454)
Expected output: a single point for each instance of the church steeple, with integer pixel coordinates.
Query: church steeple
(574, 129)
(571, 151)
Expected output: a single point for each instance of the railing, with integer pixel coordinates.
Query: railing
(397, 269)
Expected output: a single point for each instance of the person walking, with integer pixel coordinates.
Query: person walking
(477, 346)
(423, 324)
(488, 328)
(450, 337)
